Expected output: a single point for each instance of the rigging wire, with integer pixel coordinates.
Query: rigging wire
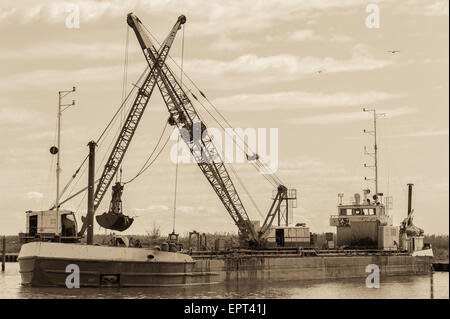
(122, 104)
(246, 191)
(273, 180)
(178, 141)
(104, 133)
(276, 180)
(182, 57)
(50, 171)
(98, 167)
(124, 88)
(254, 164)
(147, 164)
(176, 186)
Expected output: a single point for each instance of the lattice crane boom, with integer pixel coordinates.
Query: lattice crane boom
(186, 118)
(195, 134)
(132, 121)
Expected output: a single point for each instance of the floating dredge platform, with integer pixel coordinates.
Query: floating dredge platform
(51, 244)
(307, 265)
(44, 264)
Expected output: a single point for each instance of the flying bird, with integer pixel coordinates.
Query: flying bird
(393, 51)
(319, 71)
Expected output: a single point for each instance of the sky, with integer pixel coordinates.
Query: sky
(306, 68)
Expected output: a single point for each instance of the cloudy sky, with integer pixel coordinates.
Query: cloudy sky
(306, 68)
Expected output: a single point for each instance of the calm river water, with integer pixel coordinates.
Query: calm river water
(392, 287)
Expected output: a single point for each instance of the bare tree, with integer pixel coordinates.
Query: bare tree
(155, 233)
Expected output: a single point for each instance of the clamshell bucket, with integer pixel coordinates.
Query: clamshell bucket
(114, 221)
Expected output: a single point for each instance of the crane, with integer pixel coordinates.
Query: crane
(131, 123)
(194, 133)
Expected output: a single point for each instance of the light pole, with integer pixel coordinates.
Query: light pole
(57, 149)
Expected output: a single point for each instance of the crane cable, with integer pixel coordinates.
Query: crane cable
(259, 163)
(178, 141)
(99, 139)
(176, 186)
(246, 191)
(147, 164)
(176, 176)
(273, 182)
(275, 179)
(70, 196)
(124, 89)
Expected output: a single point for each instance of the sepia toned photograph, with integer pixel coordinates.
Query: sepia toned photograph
(224, 155)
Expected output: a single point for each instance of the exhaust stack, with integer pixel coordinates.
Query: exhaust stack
(410, 186)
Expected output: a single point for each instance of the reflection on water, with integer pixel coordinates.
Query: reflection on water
(392, 287)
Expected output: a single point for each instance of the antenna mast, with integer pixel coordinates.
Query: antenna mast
(57, 149)
(375, 147)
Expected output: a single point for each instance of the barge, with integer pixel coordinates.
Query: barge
(52, 251)
(48, 264)
(289, 255)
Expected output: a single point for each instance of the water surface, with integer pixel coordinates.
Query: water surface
(390, 287)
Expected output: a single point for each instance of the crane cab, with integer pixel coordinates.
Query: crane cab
(289, 236)
(49, 225)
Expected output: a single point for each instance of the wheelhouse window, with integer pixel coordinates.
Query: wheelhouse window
(369, 211)
(345, 212)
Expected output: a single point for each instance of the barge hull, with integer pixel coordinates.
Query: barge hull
(46, 264)
(310, 268)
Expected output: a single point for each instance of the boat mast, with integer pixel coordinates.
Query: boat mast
(61, 95)
(375, 147)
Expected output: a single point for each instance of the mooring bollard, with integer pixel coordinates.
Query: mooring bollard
(3, 253)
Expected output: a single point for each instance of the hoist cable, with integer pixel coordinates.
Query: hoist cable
(99, 139)
(246, 191)
(176, 186)
(147, 164)
(276, 180)
(150, 164)
(124, 88)
(178, 141)
(122, 104)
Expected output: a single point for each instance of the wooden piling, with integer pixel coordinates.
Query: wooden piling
(3, 253)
